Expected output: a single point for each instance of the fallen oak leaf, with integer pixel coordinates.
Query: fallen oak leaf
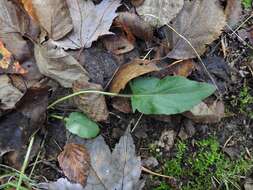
(130, 71)
(163, 11)
(53, 16)
(75, 162)
(90, 22)
(200, 22)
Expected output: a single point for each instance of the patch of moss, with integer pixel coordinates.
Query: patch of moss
(244, 102)
(247, 3)
(206, 166)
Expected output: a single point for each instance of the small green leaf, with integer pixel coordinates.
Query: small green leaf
(79, 124)
(171, 95)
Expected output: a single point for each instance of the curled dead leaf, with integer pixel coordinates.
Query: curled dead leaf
(130, 71)
(183, 68)
(137, 3)
(92, 104)
(133, 24)
(118, 44)
(75, 162)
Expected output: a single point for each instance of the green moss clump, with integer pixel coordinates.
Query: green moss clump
(205, 166)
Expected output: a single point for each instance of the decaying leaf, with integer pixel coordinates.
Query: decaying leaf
(118, 44)
(54, 17)
(90, 21)
(9, 95)
(134, 25)
(55, 63)
(130, 71)
(61, 184)
(183, 68)
(14, 23)
(92, 104)
(233, 12)
(122, 104)
(29, 116)
(163, 11)
(137, 3)
(118, 170)
(207, 113)
(75, 162)
(7, 63)
(200, 22)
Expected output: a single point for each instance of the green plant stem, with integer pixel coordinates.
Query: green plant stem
(25, 162)
(88, 92)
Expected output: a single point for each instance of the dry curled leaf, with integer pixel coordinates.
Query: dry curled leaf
(207, 113)
(54, 17)
(92, 104)
(200, 22)
(163, 10)
(90, 21)
(134, 25)
(130, 71)
(75, 162)
(57, 64)
(118, 44)
(183, 68)
(137, 3)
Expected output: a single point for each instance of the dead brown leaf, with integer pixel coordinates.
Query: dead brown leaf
(122, 104)
(163, 11)
(130, 71)
(57, 64)
(134, 25)
(183, 68)
(200, 22)
(75, 162)
(90, 22)
(233, 12)
(212, 112)
(137, 3)
(93, 105)
(118, 44)
(14, 24)
(54, 17)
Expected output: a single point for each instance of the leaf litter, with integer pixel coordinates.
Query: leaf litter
(86, 45)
